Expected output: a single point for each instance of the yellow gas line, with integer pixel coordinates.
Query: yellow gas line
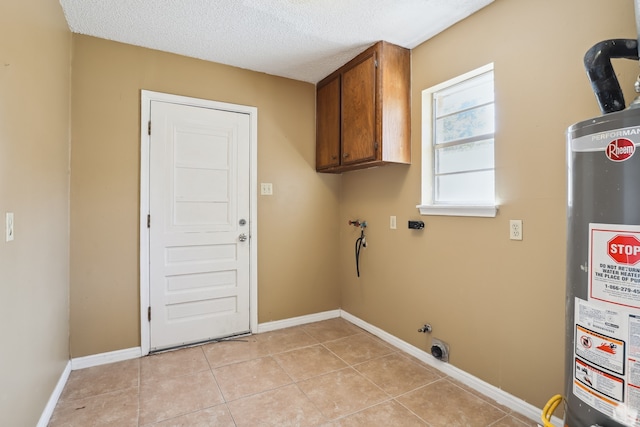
(549, 409)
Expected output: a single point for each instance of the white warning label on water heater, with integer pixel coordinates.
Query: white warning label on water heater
(590, 378)
(605, 351)
(606, 373)
(614, 264)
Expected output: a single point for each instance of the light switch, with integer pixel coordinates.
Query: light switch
(9, 226)
(266, 189)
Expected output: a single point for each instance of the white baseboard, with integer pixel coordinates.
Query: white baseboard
(502, 397)
(81, 363)
(297, 321)
(45, 417)
(136, 352)
(105, 358)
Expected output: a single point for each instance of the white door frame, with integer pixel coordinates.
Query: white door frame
(145, 114)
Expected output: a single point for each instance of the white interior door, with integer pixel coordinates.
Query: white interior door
(199, 234)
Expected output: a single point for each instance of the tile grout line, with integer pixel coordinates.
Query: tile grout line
(480, 397)
(215, 380)
(395, 399)
(348, 365)
(224, 399)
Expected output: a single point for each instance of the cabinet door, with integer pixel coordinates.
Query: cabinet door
(328, 125)
(359, 112)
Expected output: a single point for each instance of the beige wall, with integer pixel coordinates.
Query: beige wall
(35, 53)
(297, 226)
(498, 303)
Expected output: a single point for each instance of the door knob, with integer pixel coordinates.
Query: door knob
(242, 237)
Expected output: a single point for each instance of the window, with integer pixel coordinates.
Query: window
(458, 172)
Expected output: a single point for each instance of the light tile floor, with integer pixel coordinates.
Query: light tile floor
(329, 374)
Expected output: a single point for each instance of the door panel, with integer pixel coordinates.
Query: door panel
(199, 192)
(328, 125)
(359, 111)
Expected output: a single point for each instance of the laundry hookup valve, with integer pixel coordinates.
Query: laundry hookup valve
(360, 241)
(358, 223)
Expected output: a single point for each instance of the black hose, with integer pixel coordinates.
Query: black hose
(604, 82)
(359, 241)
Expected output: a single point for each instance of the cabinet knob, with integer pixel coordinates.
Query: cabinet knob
(345, 155)
(334, 157)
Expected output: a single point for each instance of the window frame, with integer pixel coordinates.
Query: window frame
(428, 206)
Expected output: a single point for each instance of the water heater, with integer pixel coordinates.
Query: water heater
(602, 364)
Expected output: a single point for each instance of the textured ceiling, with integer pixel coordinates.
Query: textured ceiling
(299, 39)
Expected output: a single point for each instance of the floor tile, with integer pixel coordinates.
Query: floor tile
(239, 350)
(342, 392)
(329, 373)
(118, 408)
(510, 421)
(286, 339)
(172, 364)
(218, 416)
(332, 329)
(358, 348)
(285, 406)
(251, 377)
(309, 362)
(168, 398)
(388, 414)
(525, 420)
(396, 374)
(478, 394)
(442, 404)
(101, 379)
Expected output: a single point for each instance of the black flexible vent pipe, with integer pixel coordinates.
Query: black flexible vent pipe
(636, 10)
(603, 79)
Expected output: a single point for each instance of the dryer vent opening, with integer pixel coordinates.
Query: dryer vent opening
(440, 350)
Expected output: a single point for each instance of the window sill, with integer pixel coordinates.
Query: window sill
(489, 211)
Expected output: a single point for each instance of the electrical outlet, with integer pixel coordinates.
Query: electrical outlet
(266, 189)
(515, 229)
(392, 222)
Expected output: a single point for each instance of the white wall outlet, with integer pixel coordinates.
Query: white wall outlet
(392, 222)
(266, 189)
(515, 229)
(9, 227)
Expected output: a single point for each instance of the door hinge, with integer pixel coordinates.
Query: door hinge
(149, 221)
(149, 313)
(149, 128)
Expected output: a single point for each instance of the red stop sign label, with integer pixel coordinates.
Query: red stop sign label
(624, 249)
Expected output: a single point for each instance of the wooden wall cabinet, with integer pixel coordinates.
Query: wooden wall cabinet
(363, 111)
